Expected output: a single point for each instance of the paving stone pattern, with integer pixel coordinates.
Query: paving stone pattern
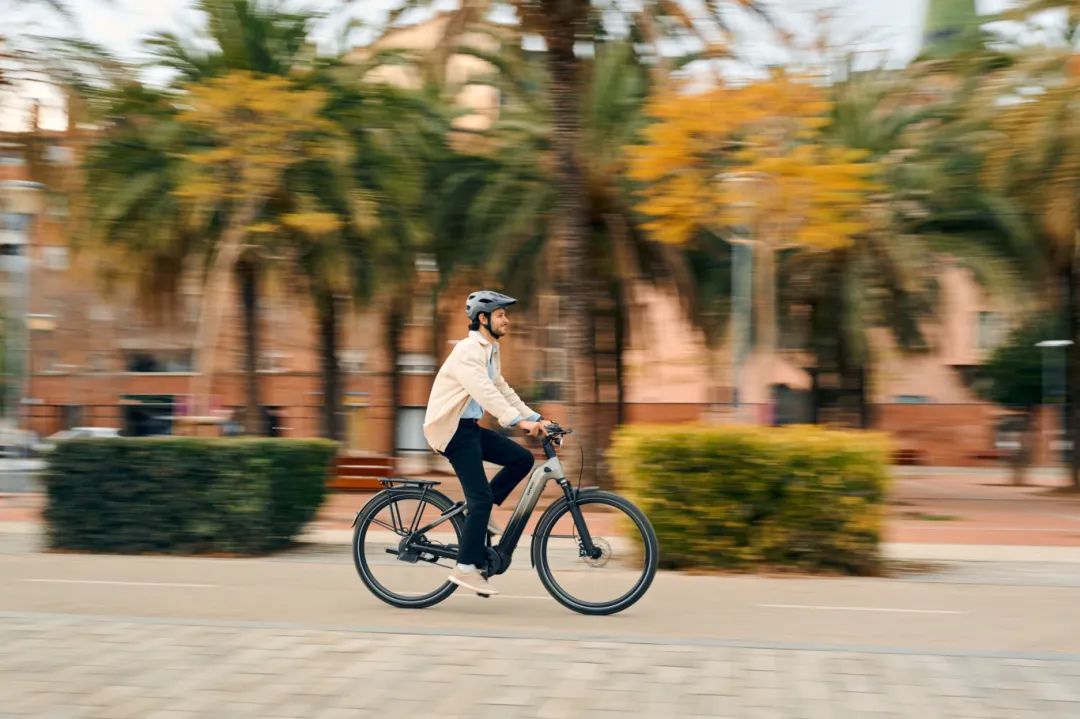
(62, 667)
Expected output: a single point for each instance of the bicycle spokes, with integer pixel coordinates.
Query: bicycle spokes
(400, 560)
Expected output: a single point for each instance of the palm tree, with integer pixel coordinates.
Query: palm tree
(563, 24)
(401, 140)
(1033, 159)
(932, 204)
(329, 260)
(495, 207)
(254, 36)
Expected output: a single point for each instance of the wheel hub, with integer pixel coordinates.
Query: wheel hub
(605, 553)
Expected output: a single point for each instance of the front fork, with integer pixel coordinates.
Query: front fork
(586, 547)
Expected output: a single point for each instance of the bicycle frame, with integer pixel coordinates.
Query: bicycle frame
(551, 469)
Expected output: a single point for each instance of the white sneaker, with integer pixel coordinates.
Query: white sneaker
(472, 579)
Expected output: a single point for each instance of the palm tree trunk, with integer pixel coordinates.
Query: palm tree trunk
(213, 297)
(333, 396)
(1072, 382)
(620, 348)
(394, 318)
(766, 298)
(565, 19)
(866, 410)
(765, 335)
(247, 274)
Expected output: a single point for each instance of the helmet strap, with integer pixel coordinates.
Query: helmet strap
(489, 331)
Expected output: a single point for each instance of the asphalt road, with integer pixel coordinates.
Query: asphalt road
(920, 612)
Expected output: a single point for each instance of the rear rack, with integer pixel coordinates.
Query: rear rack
(390, 482)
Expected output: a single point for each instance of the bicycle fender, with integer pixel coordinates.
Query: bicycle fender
(555, 506)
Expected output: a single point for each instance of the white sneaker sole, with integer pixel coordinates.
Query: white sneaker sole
(479, 590)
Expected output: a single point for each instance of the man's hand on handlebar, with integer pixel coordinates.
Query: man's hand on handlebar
(534, 429)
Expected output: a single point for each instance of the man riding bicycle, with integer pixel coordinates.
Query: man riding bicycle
(469, 383)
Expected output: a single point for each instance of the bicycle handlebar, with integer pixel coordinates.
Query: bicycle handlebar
(553, 438)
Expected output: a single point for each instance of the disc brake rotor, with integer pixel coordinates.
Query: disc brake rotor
(605, 553)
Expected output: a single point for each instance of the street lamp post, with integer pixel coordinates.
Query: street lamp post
(742, 282)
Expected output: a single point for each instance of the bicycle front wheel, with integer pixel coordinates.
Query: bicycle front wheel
(413, 576)
(616, 579)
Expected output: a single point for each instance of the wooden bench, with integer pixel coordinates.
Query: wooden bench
(992, 454)
(908, 457)
(360, 473)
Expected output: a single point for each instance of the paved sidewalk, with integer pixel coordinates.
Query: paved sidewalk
(77, 666)
(931, 505)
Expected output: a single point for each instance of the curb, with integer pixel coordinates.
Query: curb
(980, 552)
(890, 550)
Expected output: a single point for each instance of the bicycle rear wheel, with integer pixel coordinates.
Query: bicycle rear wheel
(408, 579)
(616, 579)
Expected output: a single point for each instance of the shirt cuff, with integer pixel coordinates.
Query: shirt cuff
(534, 417)
(515, 421)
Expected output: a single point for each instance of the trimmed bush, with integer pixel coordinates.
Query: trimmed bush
(183, 495)
(738, 497)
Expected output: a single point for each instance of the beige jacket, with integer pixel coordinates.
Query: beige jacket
(462, 377)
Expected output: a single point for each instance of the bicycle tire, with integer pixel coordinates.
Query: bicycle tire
(378, 502)
(651, 547)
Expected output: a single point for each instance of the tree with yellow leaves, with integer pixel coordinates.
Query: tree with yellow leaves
(255, 128)
(750, 164)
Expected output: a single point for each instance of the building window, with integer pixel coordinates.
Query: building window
(990, 330)
(272, 361)
(48, 361)
(11, 158)
(58, 206)
(147, 415)
(911, 399)
(59, 155)
(16, 222)
(99, 361)
(352, 361)
(554, 365)
(55, 257)
(410, 430)
(416, 363)
(158, 361)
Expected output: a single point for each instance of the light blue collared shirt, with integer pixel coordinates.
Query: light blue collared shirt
(473, 410)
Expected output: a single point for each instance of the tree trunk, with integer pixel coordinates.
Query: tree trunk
(1021, 458)
(248, 277)
(394, 318)
(565, 21)
(211, 309)
(765, 337)
(765, 292)
(626, 273)
(620, 348)
(1072, 381)
(866, 410)
(333, 390)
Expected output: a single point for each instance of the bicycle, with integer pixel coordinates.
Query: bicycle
(574, 538)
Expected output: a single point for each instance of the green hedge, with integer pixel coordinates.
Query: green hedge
(183, 495)
(738, 497)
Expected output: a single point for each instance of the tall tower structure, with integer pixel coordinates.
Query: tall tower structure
(948, 25)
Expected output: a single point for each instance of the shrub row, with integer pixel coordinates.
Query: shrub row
(736, 497)
(183, 495)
